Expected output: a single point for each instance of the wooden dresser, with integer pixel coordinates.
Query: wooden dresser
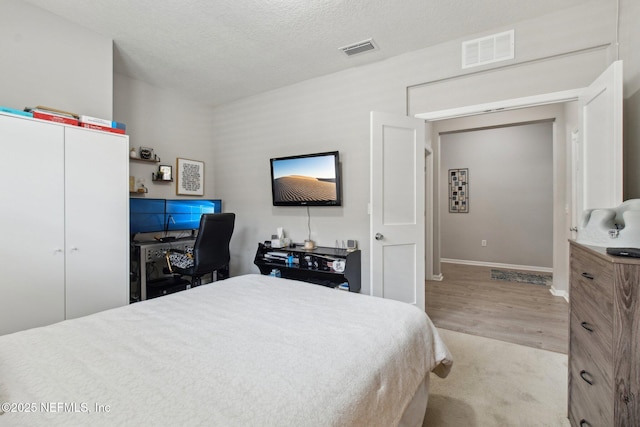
(604, 346)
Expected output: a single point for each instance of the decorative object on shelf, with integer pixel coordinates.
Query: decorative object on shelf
(133, 154)
(132, 184)
(164, 173)
(141, 187)
(190, 177)
(146, 153)
(459, 190)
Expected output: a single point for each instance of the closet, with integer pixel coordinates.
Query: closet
(64, 219)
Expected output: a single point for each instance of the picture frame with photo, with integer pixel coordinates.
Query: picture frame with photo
(165, 173)
(459, 190)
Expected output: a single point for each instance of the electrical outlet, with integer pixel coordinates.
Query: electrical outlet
(483, 243)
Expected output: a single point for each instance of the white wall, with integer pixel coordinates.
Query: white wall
(170, 124)
(510, 195)
(630, 54)
(46, 60)
(332, 112)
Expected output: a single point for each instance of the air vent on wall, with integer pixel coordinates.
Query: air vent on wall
(486, 50)
(359, 47)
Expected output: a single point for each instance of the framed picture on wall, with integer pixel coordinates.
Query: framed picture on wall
(165, 173)
(189, 177)
(459, 190)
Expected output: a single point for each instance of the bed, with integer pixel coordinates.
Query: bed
(251, 350)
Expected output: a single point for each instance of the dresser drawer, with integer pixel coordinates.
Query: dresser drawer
(591, 287)
(591, 353)
(593, 330)
(593, 402)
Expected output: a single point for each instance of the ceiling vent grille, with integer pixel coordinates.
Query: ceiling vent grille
(486, 50)
(360, 47)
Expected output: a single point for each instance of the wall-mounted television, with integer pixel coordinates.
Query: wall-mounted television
(306, 180)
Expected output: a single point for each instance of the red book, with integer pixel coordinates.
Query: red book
(54, 118)
(102, 128)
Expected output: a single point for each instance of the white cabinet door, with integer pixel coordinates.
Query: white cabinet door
(32, 218)
(96, 221)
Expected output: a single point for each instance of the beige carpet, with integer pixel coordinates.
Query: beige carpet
(494, 383)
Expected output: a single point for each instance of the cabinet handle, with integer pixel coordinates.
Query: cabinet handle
(584, 423)
(587, 276)
(587, 377)
(587, 326)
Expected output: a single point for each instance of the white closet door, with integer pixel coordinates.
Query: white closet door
(97, 221)
(32, 218)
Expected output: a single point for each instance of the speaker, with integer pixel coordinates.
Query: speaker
(352, 245)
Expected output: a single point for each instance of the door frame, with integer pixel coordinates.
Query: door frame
(472, 110)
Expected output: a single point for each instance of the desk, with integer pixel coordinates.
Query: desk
(312, 265)
(147, 263)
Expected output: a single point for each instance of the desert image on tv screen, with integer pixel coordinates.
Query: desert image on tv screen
(304, 179)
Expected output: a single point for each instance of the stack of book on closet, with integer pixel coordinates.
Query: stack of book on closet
(68, 118)
(102, 124)
(53, 115)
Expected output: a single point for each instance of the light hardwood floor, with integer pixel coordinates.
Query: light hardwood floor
(469, 301)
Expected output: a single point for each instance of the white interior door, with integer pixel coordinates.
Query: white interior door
(598, 181)
(398, 208)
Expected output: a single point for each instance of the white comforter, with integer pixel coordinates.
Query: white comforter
(248, 351)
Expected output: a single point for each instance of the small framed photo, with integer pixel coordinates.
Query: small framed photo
(165, 173)
(189, 177)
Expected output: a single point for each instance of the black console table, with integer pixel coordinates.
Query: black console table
(312, 265)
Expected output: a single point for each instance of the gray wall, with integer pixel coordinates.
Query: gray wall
(565, 120)
(510, 191)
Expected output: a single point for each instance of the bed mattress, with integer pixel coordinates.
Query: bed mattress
(247, 351)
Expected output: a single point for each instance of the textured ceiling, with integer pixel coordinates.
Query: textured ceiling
(216, 51)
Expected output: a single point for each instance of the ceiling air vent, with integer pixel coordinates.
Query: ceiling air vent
(486, 50)
(359, 47)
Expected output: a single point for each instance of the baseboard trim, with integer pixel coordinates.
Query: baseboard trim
(497, 265)
(556, 293)
(437, 277)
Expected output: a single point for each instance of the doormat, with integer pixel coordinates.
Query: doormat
(520, 277)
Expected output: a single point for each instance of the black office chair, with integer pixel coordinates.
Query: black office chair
(210, 251)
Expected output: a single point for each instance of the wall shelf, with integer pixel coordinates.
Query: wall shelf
(137, 159)
(154, 178)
